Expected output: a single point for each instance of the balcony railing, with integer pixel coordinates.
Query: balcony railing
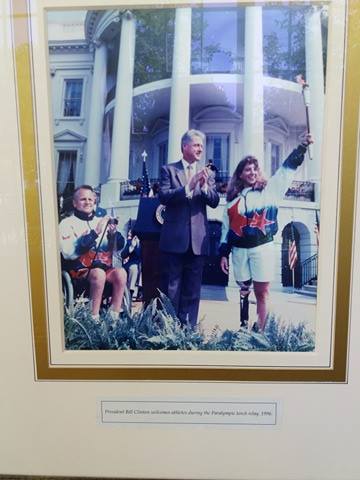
(301, 191)
(309, 269)
(131, 189)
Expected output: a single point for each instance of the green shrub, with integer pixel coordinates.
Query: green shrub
(156, 327)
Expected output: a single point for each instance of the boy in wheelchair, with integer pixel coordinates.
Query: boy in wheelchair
(87, 243)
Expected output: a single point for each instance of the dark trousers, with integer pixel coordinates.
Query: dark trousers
(181, 275)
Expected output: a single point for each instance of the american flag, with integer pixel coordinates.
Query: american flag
(293, 256)
(317, 227)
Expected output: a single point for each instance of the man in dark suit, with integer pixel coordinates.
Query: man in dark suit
(185, 190)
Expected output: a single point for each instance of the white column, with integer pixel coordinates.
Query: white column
(180, 85)
(236, 151)
(267, 160)
(253, 130)
(96, 117)
(315, 79)
(120, 146)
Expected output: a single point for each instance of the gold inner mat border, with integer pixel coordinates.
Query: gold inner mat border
(32, 477)
(23, 73)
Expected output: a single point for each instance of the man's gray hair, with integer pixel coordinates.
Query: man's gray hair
(189, 135)
(83, 187)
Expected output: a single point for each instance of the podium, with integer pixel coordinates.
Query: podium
(148, 227)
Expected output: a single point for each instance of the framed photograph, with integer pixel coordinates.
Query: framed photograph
(105, 96)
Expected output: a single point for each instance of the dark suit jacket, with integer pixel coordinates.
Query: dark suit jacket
(185, 219)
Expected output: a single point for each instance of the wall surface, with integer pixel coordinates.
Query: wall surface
(51, 428)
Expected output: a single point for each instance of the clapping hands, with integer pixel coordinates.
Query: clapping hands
(200, 178)
(103, 222)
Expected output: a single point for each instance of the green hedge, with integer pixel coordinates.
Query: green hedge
(157, 328)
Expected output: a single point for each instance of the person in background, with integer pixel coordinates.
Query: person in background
(154, 192)
(131, 255)
(210, 165)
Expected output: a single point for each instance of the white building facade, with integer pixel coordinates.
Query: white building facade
(128, 81)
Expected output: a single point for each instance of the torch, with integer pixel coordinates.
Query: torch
(306, 97)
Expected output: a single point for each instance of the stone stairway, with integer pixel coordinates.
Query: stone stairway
(310, 289)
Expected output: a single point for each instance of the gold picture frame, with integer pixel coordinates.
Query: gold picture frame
(46, 368)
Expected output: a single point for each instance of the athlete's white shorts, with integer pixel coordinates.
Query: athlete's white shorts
(257, 263)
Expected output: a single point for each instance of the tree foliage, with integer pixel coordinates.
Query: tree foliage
(284, 47)
(155, 42)
(154, 45)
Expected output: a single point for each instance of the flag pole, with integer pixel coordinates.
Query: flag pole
(145, 182)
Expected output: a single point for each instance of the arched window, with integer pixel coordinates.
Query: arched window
(296, 243)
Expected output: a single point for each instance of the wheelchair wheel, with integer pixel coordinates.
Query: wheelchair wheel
(68, 291)
(127, 302)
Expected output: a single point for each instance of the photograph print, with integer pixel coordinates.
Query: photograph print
(187, 146)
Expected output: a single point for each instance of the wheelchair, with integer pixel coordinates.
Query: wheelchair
(73, 289)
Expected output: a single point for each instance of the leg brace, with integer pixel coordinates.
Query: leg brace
(244, 302)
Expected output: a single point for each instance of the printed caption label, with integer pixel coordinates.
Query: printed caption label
(187, 412)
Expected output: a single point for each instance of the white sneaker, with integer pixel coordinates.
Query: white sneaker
(96, 319)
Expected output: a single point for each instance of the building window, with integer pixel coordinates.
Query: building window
(73, 97)
(275, 157)
(218, 150)
(66, 172)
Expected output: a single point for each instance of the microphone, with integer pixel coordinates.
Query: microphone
(100, 212)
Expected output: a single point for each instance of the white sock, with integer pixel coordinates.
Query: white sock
(114, 315)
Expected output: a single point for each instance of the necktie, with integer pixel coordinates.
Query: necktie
(189, 172)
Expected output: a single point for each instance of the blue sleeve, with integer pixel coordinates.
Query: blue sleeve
(120, 241)
(296, 158)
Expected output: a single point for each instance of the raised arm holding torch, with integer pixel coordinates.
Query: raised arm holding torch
(306, 97)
